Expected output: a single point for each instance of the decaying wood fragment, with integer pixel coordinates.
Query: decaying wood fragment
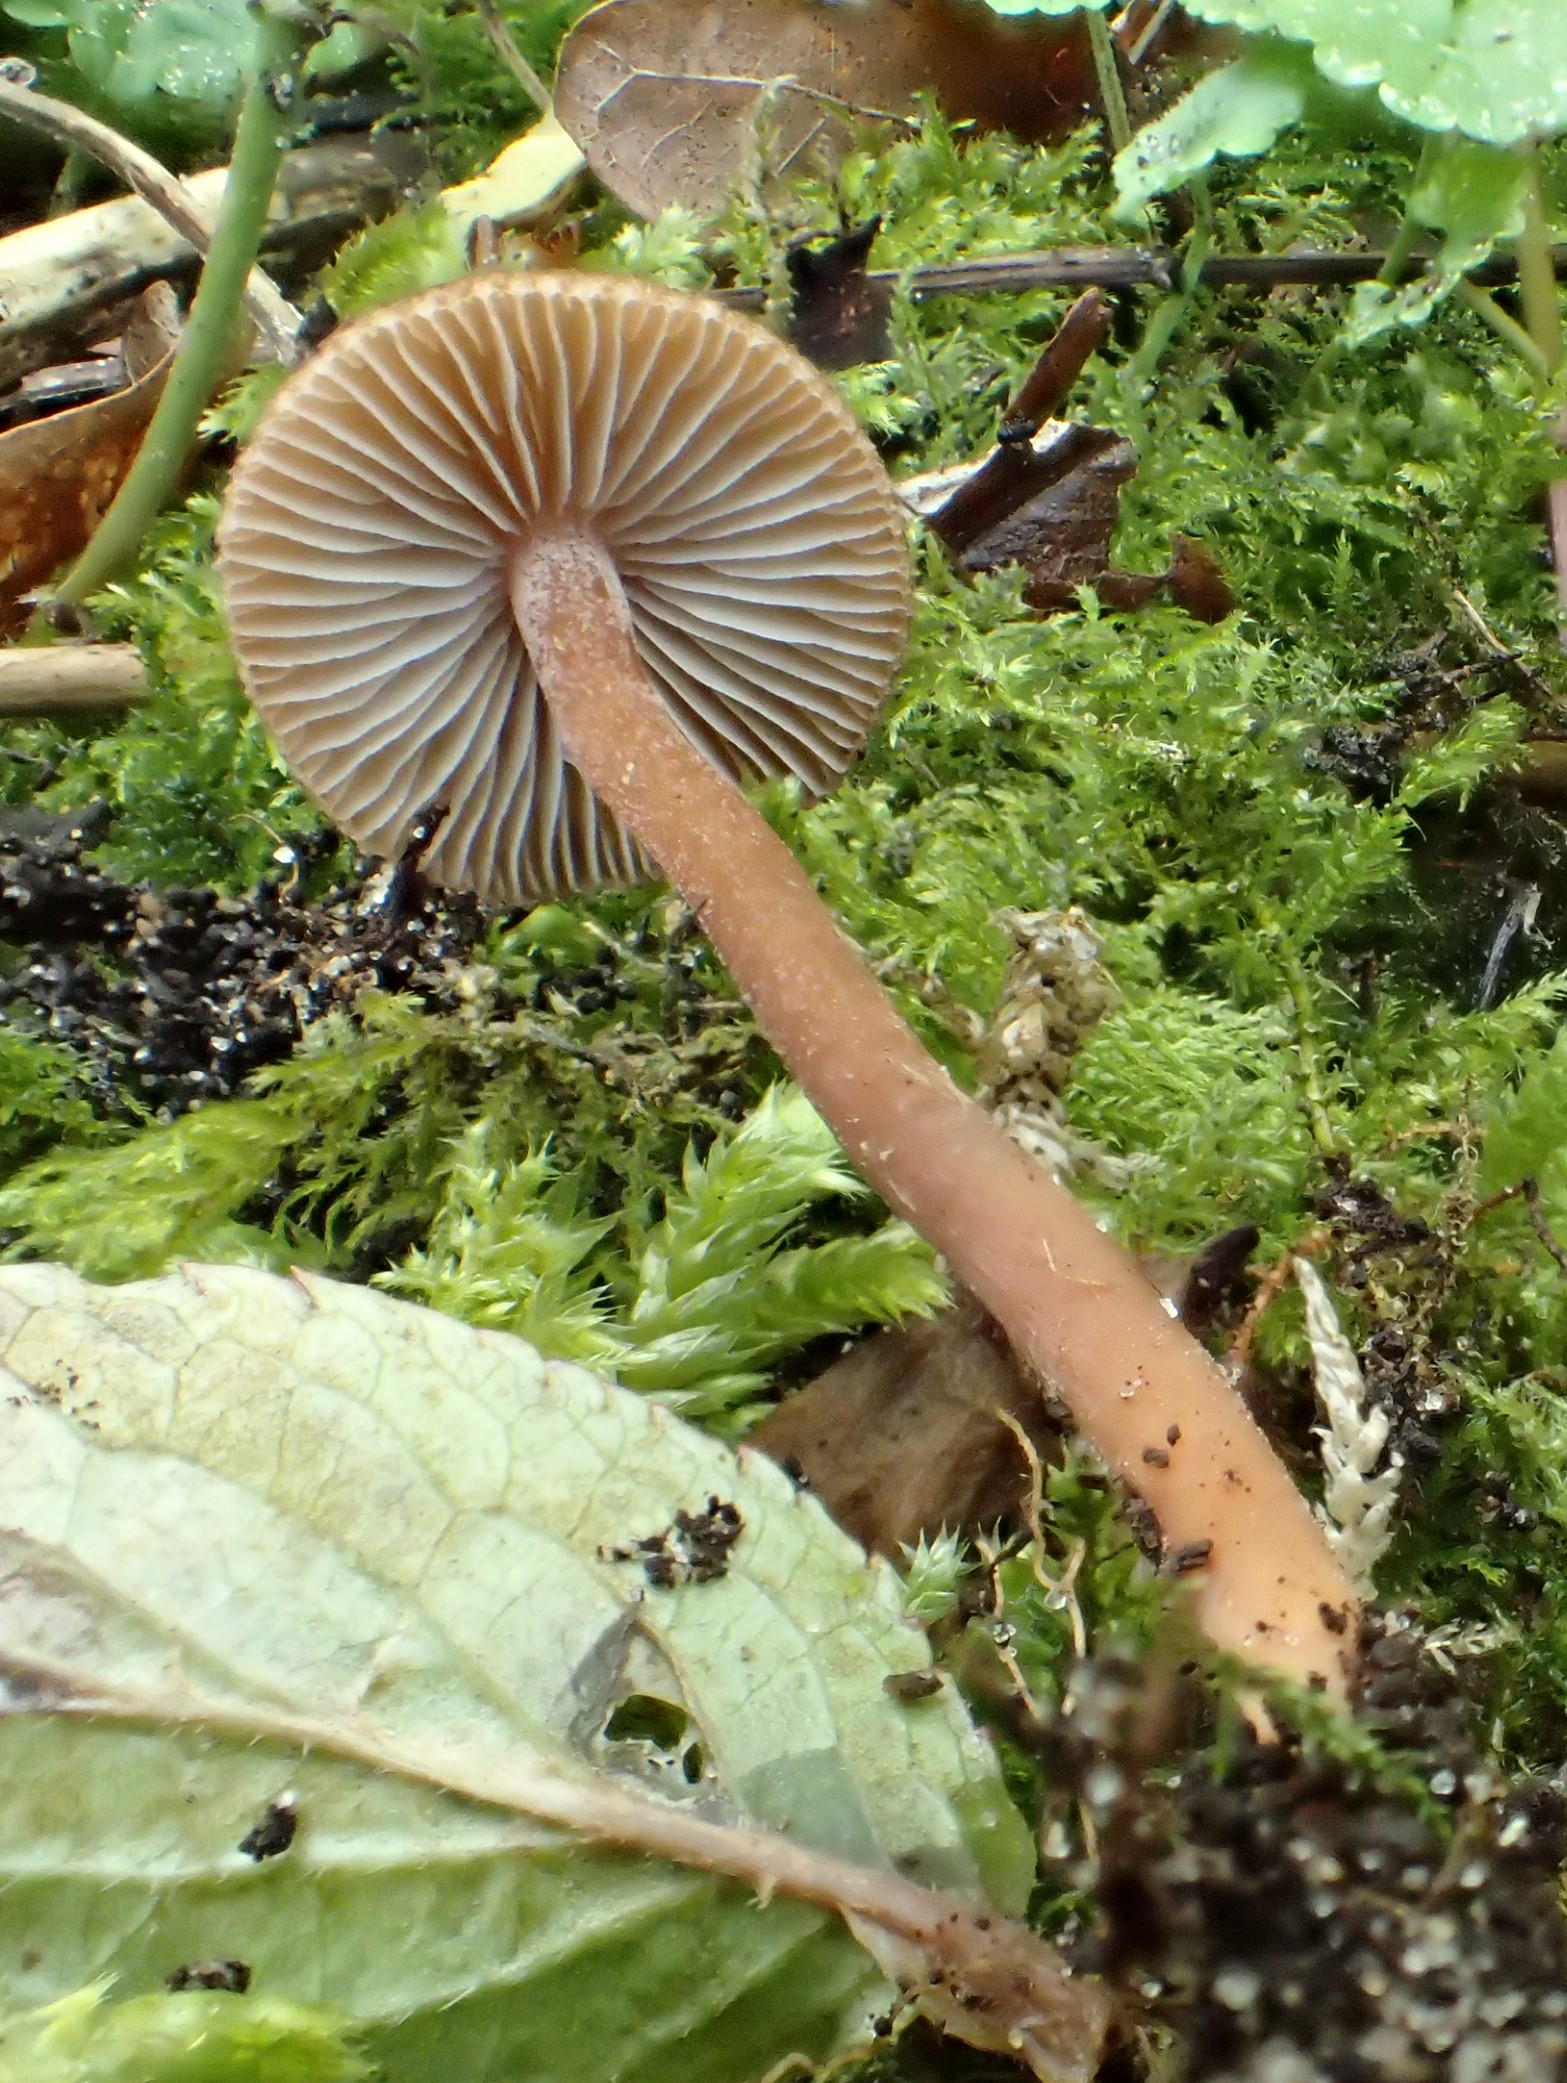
(275, 319)
(71, 676)
(63, 282)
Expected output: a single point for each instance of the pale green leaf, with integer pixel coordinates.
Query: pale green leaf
(1494, 69)
(1238, 110)
(528, 178)
(280, 1532)
(1474, 195)
(35, 14)
(195, 51)
(198, 2036)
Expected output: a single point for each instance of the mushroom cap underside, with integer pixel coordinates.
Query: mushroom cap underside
(368, 532)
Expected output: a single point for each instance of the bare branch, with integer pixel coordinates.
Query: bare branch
(1156, 267)
(275, 318)
(52, 679)
(1528, 1191)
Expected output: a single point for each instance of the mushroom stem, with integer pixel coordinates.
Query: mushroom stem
(1075, 1307)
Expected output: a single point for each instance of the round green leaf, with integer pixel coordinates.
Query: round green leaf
(1493, 69)
(1238, 111)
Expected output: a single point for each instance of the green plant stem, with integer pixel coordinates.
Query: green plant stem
(1107, 67)
(1522, 343)
(66, 195)
(1536, 276)
(1322, 1133)
(1542, 309)
(1399, 253)
(1407, 237)
(202, 357)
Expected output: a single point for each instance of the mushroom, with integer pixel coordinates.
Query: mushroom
(571, 557)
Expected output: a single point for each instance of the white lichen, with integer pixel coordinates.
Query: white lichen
(1362, 1478)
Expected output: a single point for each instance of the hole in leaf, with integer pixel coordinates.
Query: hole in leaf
(643, 1718)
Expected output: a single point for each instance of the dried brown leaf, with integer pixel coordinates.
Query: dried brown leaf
(683, 101)
(904, 1435)
(1048, 496)
(910, 1432)
(839, 316)
(58, 475)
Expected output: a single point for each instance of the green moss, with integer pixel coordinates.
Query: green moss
(44, 1098)
(446, 61)
(198, 795)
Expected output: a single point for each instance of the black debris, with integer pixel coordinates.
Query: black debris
(694, 1549)
(176, 996)
(275, 1832)
(232, 1975)
(1299, 1920)
(909, 1687)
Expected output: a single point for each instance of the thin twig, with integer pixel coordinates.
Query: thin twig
(1063, 1587)
(1506, 328)
(1479, 624)
(1538, 1223)
(58, 677)
(1273, 1283)
(1149, 35)
(1425, 1132)
(862, 111)
(1107, 70)
(1542, 310)
(1541, 299)
(1528, 1191)
(499, 31)
(275, 318)
(1139, 267)
(1557, 505)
